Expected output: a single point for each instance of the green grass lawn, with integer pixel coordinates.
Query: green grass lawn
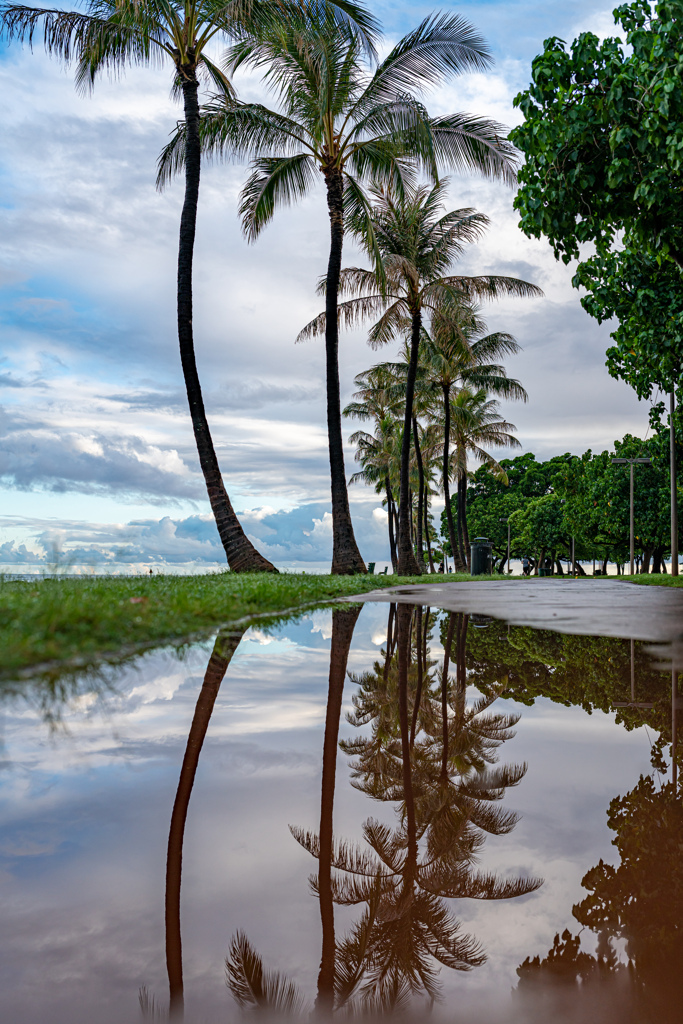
(658, 579)
(58, 621)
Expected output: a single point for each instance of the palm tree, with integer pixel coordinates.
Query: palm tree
(340, 121)
(111, 35)
(378, 456)
(475, 425)
(413, 245)
(406, 925)
(377, 453)
(458, 353)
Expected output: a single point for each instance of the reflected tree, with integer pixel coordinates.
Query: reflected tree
(401, 876)
(224, 648)
(591, 672)
(249, 983)
(406, 931)
(343, 623)
(637, 903)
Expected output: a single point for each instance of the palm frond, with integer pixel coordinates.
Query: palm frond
(468, 143)
(273, 181)
(252, 986)
(441, 46)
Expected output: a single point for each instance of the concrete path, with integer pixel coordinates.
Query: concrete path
(594, 607)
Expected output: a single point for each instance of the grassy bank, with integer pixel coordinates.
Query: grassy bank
(657, 579)
(76, 621)
(58, 620)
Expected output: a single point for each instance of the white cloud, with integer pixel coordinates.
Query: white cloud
(301, 535)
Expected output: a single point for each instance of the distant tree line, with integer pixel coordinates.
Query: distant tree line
(586, 497)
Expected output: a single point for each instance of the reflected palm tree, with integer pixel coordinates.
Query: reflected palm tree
(401, 876)
(224, 648)
(343, 624)
(406, 926)
(249, 983)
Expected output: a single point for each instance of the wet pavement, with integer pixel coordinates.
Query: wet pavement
(600, 607)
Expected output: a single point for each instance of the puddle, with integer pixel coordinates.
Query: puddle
(312, 803)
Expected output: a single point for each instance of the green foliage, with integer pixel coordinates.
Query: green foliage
(590, 672)
(603, 145)
(488, 518)
(603, 136)
(586, 497)
(598, 498)
(646, 297)
(541, 525)
(640, 899)
(490, 501)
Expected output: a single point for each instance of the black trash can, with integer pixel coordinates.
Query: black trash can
(482, 556)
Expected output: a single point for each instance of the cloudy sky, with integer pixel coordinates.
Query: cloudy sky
(96, 451)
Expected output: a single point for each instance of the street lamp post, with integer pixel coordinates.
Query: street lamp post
(631, 463)
(674, 503)
(508, 558)
(563, 501)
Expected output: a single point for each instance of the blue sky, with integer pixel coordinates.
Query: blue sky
(96, 452)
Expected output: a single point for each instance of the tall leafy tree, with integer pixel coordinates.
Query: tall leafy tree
(603, 138)
(414, 245)
(345, 123)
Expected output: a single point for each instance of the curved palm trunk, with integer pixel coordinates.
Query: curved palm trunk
(444, 696)
(241, 554)
(390, 518)
(421, 661)
(426, 528)
(445, 474)
(421, 493)
(343, 624)
(224, 648)
(346, 558)
(404, 617)
(407, 562)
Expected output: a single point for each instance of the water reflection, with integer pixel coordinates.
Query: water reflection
(427, 726)
(637, 903)
(225, 646)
